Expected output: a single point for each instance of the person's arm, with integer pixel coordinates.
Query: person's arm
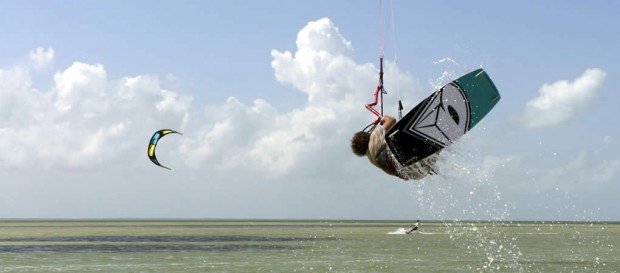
(387, 122)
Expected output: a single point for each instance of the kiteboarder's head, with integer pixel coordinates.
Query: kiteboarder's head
(359, 143)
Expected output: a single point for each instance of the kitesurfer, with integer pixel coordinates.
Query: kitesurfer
(373, 146)
(414, 228)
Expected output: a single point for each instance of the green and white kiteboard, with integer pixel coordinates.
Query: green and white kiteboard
(443, 117)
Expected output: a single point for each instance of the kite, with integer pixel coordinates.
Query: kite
(153, 144)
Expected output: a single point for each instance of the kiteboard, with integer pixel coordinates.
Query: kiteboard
(442, 118)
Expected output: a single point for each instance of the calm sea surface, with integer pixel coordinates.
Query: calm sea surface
(306, 246)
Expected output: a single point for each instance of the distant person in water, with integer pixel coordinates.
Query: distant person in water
(373, 146)
(414, 228)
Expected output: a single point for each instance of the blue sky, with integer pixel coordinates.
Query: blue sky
(111, 73)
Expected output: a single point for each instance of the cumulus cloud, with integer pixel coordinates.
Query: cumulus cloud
(585, 173)
(563, 100)
(314, 69)
(87, 119)
(299, 158)
(83, 121)
(81, 85)
(336, 87)
(41, 57)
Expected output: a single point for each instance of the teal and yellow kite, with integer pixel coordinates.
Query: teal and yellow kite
(153, 143)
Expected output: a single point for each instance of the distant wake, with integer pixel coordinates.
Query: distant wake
(400, 231)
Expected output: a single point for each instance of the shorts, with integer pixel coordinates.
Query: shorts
(419, 169)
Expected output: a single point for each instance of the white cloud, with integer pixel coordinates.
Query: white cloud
(83, 121)
(583, 174)
(247, 151)
(323, 36)
(87, 119)
(563, 100)
(604, 172)
(41, 57)
(336, 86)
(314, 68)
(81, 85)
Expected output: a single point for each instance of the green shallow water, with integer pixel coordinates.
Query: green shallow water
(306, 246)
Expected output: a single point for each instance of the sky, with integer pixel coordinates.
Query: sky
(268, 94)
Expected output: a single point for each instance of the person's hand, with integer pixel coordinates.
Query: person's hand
(403, 177)
(387, 122)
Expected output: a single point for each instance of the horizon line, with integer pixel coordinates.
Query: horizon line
(196, 219)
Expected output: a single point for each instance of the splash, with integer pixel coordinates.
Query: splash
(399, 231)
(447, 59)
(464, 190)
(467, 197)
(451, 70)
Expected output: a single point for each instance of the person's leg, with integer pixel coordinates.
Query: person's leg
(413, 171)
(428, 164)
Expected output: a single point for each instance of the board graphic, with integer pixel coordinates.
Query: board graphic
(443, 117)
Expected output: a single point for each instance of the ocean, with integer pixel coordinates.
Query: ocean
(307, 246)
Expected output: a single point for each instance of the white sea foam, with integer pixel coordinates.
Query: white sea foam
(398, 231)
(403, 231)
